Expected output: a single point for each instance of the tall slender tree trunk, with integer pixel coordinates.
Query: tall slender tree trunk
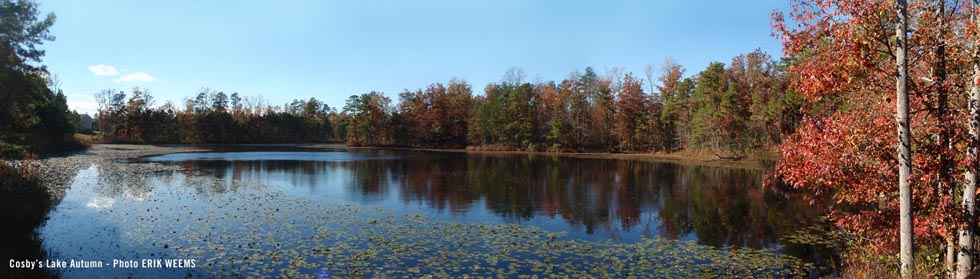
(965, 262)
(904, 143)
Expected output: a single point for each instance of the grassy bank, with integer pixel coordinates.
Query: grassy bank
(68, 144)
(24, 205)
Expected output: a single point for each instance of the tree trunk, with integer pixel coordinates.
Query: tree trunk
(951, 257)
(944, 176)
(904, 143)
(965, 263)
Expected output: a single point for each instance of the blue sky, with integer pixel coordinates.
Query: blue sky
(284, 50)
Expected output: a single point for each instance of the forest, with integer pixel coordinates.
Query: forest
(874, 109)
(734, 109)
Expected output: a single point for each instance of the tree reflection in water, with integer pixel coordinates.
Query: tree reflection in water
(620, 200)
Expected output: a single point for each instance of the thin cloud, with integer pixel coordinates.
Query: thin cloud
(103, 70)
(137, 76)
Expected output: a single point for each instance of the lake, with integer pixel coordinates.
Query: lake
(373, 212)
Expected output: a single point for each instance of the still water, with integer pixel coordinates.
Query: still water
(262, 213)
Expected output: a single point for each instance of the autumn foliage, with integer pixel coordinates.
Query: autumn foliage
(732, 110)
(212, 117)
(843, 65)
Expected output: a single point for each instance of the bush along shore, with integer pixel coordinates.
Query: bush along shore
(24, 205)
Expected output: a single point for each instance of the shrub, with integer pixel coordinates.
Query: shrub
(24, 205)
(23, 201)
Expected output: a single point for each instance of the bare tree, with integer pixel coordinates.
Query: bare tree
(615, 77)
(650, 71)
(514, 76)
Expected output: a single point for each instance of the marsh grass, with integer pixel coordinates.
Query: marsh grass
(862, 261)
(24, 205)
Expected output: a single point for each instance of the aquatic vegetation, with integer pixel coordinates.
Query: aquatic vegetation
(302, 238)
(243, 227)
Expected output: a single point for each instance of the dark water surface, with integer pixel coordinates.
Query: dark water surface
(242, 208)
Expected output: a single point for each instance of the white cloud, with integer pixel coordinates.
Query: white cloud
(106, 70)
(103, 70)
(137, 76)
(89, 107)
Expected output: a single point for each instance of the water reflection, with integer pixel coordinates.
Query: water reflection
(183, 200)
(24, 206)
(594, 199)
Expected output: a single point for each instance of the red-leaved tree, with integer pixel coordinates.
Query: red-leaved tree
(842, 61)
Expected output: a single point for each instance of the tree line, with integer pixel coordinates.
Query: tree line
(731, 109)
(211, 117)
(735, 109)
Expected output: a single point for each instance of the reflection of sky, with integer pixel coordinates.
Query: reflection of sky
(101, 203)
(583, 198)
(91, 225)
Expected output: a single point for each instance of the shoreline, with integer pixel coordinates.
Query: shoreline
(755, 160)
(54, 169)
